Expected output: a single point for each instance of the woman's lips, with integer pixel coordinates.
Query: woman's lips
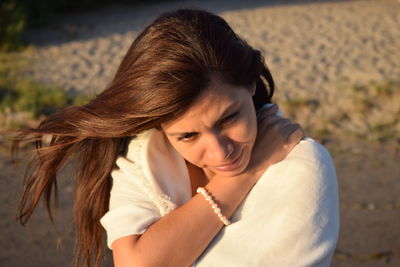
(231, 166)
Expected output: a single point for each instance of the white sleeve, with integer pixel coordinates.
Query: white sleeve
(131, 210)
(308, 223)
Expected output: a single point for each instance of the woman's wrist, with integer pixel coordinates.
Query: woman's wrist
(229, 192)
(207, 196)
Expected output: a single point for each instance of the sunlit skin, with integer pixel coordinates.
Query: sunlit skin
(218, 132)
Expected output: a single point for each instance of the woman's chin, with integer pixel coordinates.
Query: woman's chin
(232, 172)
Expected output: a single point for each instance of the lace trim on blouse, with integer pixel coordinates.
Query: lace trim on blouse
(161, 201)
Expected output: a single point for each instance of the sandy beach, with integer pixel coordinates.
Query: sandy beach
(310, 48)
(316, 51)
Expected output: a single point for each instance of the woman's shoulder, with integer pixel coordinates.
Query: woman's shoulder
(308, 156)
(307, 176)
(309, 150)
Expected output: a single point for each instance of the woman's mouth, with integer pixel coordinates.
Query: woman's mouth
(232, 165)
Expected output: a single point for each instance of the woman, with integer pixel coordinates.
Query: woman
(183, 161)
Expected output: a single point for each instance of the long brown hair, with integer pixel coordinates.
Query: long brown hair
(166, 68)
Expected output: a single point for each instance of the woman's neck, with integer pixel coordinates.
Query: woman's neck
(198, 177)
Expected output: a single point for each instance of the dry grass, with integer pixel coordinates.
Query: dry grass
(367, 112)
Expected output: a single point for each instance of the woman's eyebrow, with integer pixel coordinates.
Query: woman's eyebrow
(228, 110)
(180, 134)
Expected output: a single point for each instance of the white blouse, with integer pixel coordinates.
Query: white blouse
(289, 218)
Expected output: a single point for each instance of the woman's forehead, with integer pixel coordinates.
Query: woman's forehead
(217, 101)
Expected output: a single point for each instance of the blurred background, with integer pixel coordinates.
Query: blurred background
(337, 69)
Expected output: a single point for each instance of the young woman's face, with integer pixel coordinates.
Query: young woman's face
(218, 132)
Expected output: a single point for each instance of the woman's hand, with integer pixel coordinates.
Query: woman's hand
(276, 137)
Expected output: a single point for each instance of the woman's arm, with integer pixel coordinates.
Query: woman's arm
(178, 239)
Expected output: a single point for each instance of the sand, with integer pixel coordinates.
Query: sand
(311, 47)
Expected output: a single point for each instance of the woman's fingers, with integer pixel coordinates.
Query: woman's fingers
(283, 123)
(292, 132)
(276, 137)
(296, 136)
(274, 121)
(267, 111)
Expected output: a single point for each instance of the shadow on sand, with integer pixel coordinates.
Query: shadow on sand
(123, 18)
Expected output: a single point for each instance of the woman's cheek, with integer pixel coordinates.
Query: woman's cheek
(188, 152)
(244, 132)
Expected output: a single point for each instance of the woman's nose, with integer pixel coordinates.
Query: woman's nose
(219, 148)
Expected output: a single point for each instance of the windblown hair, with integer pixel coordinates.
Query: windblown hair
(165, 70)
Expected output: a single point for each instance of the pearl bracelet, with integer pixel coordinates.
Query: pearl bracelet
(217, 210)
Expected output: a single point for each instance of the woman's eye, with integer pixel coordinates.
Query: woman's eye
(187, 137)
(230, 117)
